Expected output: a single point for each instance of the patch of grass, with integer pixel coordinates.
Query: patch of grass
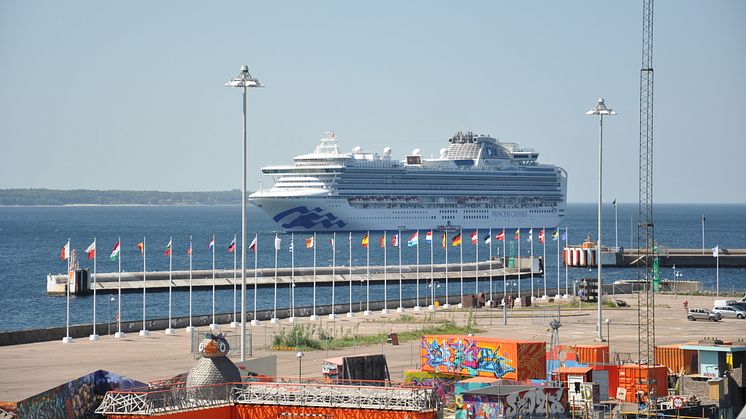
(307, 337)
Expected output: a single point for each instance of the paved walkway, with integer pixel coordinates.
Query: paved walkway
(29, 369)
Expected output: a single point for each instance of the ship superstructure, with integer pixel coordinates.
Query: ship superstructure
(477, 182)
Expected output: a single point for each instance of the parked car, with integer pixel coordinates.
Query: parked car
(732, 311)
(703, 314)
(723, 303)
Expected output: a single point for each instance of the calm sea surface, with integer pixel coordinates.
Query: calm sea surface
(31, 237)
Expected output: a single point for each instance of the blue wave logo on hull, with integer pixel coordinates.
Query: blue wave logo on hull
(308, 218)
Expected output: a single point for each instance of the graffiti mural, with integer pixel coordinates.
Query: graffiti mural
(464, 356)
(539, 401)
(442, 383)
(486, 357)
(308, 218)
(76, 398)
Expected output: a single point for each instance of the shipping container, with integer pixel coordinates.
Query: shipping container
(633, 378)
(613, 377)
(482, 356)
(677, 359)
(592, 353)
(474, 383)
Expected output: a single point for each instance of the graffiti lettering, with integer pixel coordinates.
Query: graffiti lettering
(535, 401)
(464, 356)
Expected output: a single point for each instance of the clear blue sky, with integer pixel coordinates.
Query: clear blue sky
(129, 95)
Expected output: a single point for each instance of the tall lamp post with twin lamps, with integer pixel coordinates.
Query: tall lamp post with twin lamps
(244, 81)
(601, 110)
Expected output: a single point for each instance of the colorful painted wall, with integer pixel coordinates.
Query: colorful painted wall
(443, 383)
(486, 357)
(76, 398)
(537, 401)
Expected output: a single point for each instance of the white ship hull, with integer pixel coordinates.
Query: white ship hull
(328, 214)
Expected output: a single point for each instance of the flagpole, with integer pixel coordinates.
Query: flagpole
(190, 329)
(367, 276)
(67, 338)
(292, 279)
(558, 262)
(94, 335)
(476, 264)
(431, 307)
(399, 309)
(717, 271)
(505, 279)
(350, 313)
(213, 325)
(144, 331)
(531, 261)
(234, 323)
(314, 316)
(544, 259)
(385, 309)
(445, 245)
(119, 333)
(490, 243)
(567, 281)
(332, 315)
(519, 264)
(274, 319)
(170, 330)
(417, 277)
(255, 321)
(461, 266)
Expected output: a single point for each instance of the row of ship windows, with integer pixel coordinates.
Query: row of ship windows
(448, 211)
(476, 217)
(540, 211)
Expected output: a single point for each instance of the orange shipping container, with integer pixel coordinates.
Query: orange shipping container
(592, 353)
(481, 356)
(633, 378)
(676, 359)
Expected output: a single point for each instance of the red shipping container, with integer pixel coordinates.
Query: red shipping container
(633, 378)
(482, 356)
(592, 353)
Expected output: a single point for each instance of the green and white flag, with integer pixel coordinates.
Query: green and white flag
(115, 253)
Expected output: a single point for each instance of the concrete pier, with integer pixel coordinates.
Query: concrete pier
(159, 280)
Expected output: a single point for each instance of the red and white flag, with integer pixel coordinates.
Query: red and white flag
(429, 236)
(474, 237)
(500, 236)
(541, 236)
(395, 240)
(91, 250)
(252, 246)
(65, 251)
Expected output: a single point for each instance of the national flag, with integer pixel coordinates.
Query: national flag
(212, 243)
(556, 233)
(115, 252)
(65, 251)
(331, 242)
(487, 239)
(252, 246)
(309, 243)
(91, 250)
(443, 243)
(141, 246)
(500, 236)
(474, 237)
(530, 235)
(189, 249)
(541, 236)
(517, 234)
(429, 237)
(232, 245)
(290, 248)
(364, 242)
(167, 251)
(715, 251)
(564, 235)
(278, 242)
(613, 202)
(395, 240)
(414, 239)
(456, 240)
(382, 240)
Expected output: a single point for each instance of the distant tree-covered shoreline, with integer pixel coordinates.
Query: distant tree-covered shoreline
(30, 197)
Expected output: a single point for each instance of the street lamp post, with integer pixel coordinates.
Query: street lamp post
(243, 80)
(608, 337)
(600, 110)
(300, 356)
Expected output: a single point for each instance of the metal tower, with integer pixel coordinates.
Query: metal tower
(645, 230)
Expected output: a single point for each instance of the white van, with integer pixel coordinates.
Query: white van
(724, 303)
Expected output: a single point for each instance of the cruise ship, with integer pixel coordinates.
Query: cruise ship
(477, 182)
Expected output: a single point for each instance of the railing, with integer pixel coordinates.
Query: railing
(178, 398)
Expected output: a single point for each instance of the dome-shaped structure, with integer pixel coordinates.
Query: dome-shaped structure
(214, 367)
